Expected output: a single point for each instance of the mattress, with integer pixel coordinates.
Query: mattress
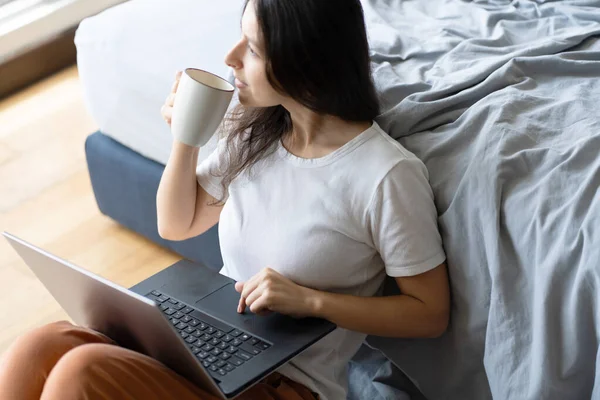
(128, 55)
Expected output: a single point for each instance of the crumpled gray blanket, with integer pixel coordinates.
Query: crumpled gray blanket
(501, 100)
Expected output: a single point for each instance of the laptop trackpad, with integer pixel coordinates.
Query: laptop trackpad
(188, 281)
(223, 304)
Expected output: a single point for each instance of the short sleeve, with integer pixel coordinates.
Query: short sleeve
(403, 221)
(209, 171)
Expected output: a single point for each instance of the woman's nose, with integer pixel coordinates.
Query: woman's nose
(232, 59)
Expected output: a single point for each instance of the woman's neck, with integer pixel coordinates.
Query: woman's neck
(315, 135)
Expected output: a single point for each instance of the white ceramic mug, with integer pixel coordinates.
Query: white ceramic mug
(200, 104)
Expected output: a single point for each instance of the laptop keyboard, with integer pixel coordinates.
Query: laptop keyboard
(220, 348)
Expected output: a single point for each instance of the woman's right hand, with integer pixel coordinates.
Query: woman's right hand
(167, 109)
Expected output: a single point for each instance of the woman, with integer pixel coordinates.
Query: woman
(315, 204)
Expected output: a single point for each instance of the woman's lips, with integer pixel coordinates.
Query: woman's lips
(240, 84)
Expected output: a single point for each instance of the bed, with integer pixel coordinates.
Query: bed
(498, 98)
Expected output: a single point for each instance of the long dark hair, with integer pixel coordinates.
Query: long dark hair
(316, 52)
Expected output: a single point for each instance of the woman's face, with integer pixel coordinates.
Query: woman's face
(247, 58)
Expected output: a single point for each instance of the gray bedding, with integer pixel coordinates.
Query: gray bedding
(501, 100)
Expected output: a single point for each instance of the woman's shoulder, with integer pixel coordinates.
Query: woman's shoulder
(388, 147)
(381, 154)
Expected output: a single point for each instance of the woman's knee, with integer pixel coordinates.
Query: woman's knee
(111, 372)
(43, 341)
(82, 359)
(50, 342)
(76, 372)
(51, 331)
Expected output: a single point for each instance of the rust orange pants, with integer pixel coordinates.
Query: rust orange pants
(67, 362)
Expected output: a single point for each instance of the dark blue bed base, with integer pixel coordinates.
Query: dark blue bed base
(125, 185)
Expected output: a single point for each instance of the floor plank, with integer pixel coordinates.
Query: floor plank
(46, 198)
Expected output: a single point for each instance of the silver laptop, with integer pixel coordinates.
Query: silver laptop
(184, 316)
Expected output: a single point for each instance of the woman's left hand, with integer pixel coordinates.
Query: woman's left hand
(269, 291)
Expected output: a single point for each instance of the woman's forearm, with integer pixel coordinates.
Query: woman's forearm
(392, 316)
(177, 192)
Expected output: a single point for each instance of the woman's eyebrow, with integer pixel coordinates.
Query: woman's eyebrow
(250, 40)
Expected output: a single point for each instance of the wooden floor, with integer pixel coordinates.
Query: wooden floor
(46, 198)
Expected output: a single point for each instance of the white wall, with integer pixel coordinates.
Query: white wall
(43, 22)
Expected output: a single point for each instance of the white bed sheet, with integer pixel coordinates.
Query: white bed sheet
(128, 55)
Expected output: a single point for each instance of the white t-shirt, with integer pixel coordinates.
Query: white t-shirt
(337, 223)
